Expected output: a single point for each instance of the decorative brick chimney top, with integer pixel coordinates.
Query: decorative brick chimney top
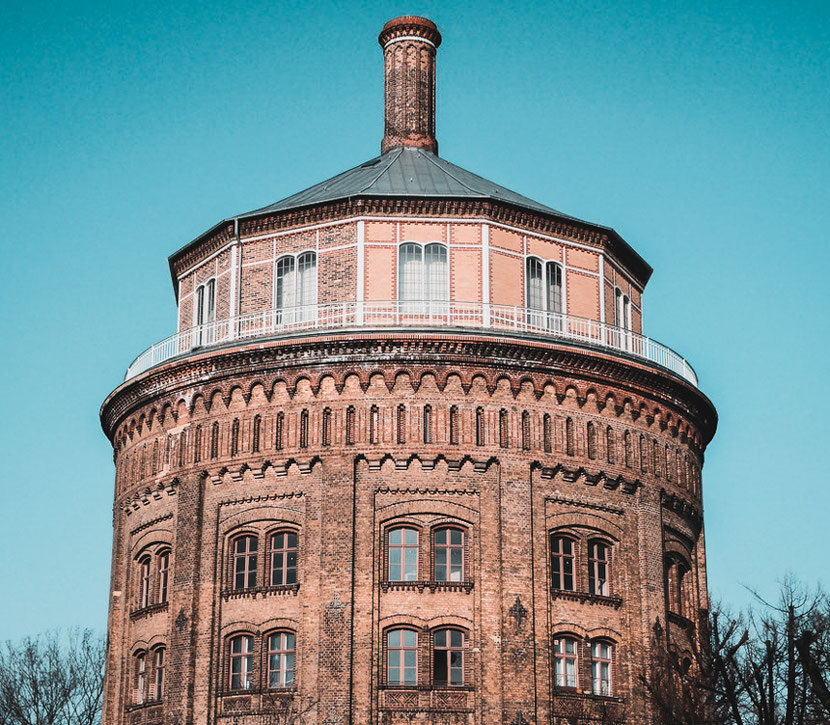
(409, 44)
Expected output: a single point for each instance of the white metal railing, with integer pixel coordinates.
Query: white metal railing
(398, 313)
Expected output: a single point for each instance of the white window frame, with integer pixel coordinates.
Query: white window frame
(298, 311)
(543, 316)
(426, 302)
(204, 314)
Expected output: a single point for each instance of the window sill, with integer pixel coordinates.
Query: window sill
(254, 592)
(572, 693)
(606, 601)
(256, 701)
(415, 698)
(148, 611)
(144, 705)
(433, 586)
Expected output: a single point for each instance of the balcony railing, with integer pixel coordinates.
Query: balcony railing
(383, 315)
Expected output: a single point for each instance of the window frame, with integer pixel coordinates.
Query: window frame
(594, 565)
(562, 556)
(447, 548)
(597, 663)
(401, 666)
(561, 657)
(299, 310)
(425, 293)
(548, 310)
(403, 547)
(249, 570)
(159, 672)
(282, 653)
(247, 662)
(447, 650)
(285, 550)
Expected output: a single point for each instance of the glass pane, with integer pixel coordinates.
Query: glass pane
(441, 536)
(292, 541)
(395, 536)
(394, 638)
(292, 559)
(411, 536)
(456, 537)
(455, 557)
(395, 572)
(410, 285)
(410, 639)
(437, 281)
(456, 638)
(409, 658)
(441, 638)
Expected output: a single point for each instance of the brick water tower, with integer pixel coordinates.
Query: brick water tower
(408, 458)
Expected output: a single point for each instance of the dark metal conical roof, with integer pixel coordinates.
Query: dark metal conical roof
(405, 172)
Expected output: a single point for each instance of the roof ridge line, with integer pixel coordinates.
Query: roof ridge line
(447, 172)
(388, 166)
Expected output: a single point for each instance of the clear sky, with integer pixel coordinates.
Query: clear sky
(698, 130)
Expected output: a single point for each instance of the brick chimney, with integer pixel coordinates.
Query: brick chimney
(409, 44)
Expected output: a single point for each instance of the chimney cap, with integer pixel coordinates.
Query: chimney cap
(410, 25)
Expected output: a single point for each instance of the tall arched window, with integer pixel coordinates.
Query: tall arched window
(295, 288)
(163, 575)
(565, 663)
(423, 276)
(643, 454)
(591, 431)
(242, 662)
(570, 443)
(598, 565)
(326, 437)
(235, 437)
(544, 293)
(402, 657)
(655, 455)
(374, 415)
(244, 562)
(256, 433)
(281, 652)
(525, 431)
(479, 426)
(504, 431)
(283, 558)
(144, 582)
(562, 563)
(401, 423)
(610, 444)
(448, 657)
(676, 571)
(204, 313)
(454, 426)
(140, 678)
(427, 424)
(627, 448)
(304, 428)
(158, 673)
(197, 444)
(279, 431)
(214, 440)
(350, 425)
(547, 433)
(668, 463)
(622, 319)
(601, 662)
(448, 555)
(403, 555)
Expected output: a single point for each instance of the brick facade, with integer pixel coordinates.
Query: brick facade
(568, 473)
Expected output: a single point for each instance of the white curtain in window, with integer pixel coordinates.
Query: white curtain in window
(307, 284)
(437, 277)
(410, 273)
(285, 289)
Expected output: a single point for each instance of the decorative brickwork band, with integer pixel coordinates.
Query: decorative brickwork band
(409, 44)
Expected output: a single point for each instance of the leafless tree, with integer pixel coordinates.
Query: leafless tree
(52, 679)
(766, 666)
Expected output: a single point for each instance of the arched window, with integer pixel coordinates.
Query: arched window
(668, 463)
(326, 427)
(562, 563)
(622, 319)
(295, 288)
(676, 571)
(182, 447)
(402, 657)
(602, 655)
(401, 423)
(565, 663)
(627, 448)
(374, 415)
(479, 426)
(197, 444)
(350, 426)
(163, 575)
(235, 437)
(427, 421)
(448, 555)
(158, 673)
(140, 678)
(448, 657)
(204, 313)
(244, 562)
(144, 565)
(643, 454)
(525, 431)
(281, 653)
(214, 440)
(283, 558)
(242, 662)
(304, 428)
(256, 433)
(423, 276)
(403, 555)
(544, 293)
(504, 432)
(547, 425)
(591, 434)
(610, 444)
(279, 431)
(655, 454)
(570, 444)
(454, 426)
(598, 567)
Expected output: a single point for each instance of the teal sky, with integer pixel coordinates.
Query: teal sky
(699, 130)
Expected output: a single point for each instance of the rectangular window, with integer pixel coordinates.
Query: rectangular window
(403, 555)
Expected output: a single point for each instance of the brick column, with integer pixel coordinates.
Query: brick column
(409, 44)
